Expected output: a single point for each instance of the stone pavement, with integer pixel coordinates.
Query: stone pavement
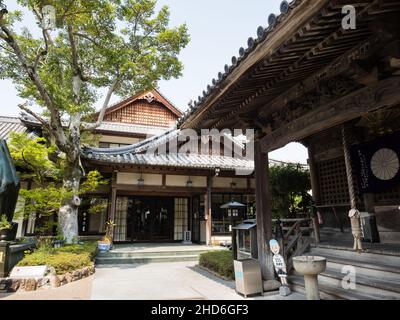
(156, 281)
(166, 281)
(78, 290)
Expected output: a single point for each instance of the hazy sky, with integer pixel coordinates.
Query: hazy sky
(218, 28)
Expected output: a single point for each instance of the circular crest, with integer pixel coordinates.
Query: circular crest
(385, 164)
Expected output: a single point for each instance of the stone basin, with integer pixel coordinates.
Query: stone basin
(309, 265)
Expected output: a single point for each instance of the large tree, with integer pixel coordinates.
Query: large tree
(122, 45)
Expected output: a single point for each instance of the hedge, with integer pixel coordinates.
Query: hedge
(64, 259)
(220, 262)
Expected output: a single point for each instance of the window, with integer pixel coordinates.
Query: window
(120, 219)
(180, 218)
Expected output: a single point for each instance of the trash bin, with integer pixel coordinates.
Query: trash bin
(369, 227)
(248, 277)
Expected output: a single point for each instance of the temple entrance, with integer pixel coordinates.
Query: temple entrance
(150, 219)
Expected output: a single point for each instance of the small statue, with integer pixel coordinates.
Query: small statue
(354, 216)
(279, 262)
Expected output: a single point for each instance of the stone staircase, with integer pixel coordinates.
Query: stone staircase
(151, 256)
(377, 274)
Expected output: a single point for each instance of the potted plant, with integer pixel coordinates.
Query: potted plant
(5, 227)
(104, 245)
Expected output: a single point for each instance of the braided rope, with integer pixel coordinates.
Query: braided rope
(354, 214)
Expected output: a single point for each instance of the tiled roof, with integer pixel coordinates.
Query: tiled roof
(8, 125)
(130, 128)
(175, 160)
(252, 44)
(142, 154)
(115, 127)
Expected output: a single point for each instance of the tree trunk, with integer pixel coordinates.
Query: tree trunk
(68, 214)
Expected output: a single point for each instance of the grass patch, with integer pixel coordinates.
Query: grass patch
(65, 259)
(220, 262)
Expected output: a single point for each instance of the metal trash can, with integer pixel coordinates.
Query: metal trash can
(248, 277)
(369, 227)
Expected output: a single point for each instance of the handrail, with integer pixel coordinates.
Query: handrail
(297, 238)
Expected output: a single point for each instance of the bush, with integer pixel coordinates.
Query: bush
(64, 259)
(220, 262)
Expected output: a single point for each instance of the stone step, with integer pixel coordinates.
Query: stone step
(378, 288)
(328, 292)
(374, 270)
(145, 259)
(349, 254)
(133, 254)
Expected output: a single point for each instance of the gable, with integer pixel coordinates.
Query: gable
(148, 108)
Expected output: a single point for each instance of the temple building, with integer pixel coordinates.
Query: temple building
(312, 78)
(158, 196)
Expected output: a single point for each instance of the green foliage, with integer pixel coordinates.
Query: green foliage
(64, 259)
(32, 157)
(220, 262)
(32, 154)
(122, 40)
(4, 223)
(289, 187)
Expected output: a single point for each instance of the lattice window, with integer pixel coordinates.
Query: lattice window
(180, 218)
(120, 219)
(333, 182)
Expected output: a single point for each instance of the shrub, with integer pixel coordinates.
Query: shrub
(220, 262)
(64, 259)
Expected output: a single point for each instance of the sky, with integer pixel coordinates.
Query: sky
(218, 28)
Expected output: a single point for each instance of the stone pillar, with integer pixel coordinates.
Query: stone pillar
(4, 257)
(263, 212)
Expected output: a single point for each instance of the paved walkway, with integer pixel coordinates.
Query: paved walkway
(79, 290)
(165, 281)
(156, 281)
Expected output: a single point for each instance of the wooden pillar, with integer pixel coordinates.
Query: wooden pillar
(113, 200)
(207, 211)
(263, 212)
(316, 192)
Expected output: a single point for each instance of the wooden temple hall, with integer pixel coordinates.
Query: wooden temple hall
(312, 78)
(158, 193)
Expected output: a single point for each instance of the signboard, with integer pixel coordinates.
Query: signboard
(30, 272)
(377, 163)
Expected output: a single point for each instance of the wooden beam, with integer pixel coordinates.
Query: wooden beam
(263, 212)
(383, 93)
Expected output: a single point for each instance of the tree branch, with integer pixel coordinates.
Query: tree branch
(33, 114)
(106, 103)
(56, 124)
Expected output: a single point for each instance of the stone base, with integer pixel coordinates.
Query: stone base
(49, 282)
(271, 285)
(284, 291)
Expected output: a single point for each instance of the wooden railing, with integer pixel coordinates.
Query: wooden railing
(295, 237)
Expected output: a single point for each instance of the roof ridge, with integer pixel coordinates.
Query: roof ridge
(10, 117)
